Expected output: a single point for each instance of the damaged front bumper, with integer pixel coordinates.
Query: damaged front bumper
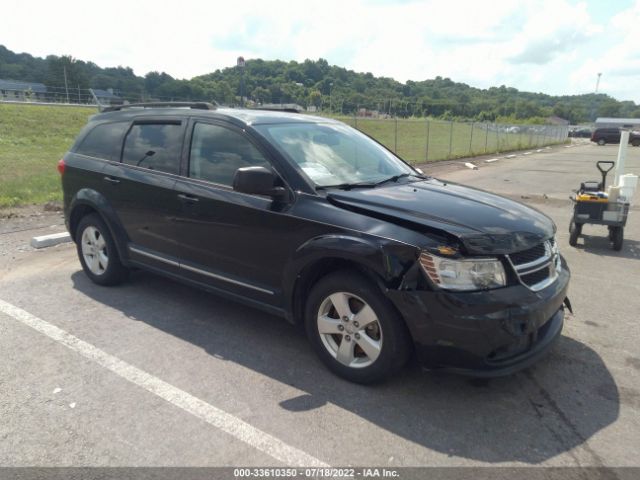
(485, 333)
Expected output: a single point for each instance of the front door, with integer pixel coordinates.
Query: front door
(230, 240)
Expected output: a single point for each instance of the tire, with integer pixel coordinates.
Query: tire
(385, 336)
(635, 143)
(617, 238)
(601, 142)
(97, 252)
(575, 230)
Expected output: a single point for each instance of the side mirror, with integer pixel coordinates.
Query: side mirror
(258, 181)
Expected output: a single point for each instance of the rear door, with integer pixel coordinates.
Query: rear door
(88, 159)
(141, 189)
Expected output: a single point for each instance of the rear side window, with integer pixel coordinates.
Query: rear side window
(104, 141)
(155, 146)
(217, 152)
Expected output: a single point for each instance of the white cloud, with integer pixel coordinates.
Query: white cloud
(616, 58)
(555, 46)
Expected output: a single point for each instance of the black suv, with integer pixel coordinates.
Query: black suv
(310, 219)
(602, 136)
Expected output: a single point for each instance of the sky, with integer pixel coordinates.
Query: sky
(550, 46)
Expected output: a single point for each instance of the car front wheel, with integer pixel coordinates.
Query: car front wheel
(354, 329)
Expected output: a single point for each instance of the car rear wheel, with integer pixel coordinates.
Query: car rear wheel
(601, 142)
(635, 143)
(97, 252)
(354, 329)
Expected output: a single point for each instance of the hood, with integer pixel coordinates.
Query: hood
(482, 221)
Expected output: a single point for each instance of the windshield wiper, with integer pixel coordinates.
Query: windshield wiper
(395, 178)
(347, 186)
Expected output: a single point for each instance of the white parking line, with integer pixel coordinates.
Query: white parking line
(220, 419)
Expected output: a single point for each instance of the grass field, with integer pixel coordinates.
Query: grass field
(34, 137)
(32, 140)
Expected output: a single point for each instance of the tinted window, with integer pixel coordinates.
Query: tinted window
(104, 141)
(155, 146)
(217, 152)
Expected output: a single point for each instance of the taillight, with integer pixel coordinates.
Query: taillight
(61, 166)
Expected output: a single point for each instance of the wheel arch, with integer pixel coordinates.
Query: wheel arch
(378, 261)
(88, 201)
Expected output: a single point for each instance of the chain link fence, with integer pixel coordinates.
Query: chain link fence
(428, 140)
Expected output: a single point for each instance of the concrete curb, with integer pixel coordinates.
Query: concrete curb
(50, 240)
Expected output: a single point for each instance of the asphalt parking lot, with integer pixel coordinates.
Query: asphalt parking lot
(154, 373)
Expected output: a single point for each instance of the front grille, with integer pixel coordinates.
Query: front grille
(538, 266)
(534, 278)
(527, 256)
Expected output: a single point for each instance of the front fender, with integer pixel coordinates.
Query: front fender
(388, 259)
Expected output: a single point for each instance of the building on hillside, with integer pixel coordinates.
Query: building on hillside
(555, 120)
(608, 122)
(17, 91)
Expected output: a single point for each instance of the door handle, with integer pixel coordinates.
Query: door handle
(187, 198)
(111, 180)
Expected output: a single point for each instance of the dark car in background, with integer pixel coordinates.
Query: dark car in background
(308, 218)
(580, 132)
(602, 136)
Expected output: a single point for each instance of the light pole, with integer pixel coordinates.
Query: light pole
(240, 64)
(598, 81)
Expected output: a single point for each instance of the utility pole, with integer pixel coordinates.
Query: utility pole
(66, 85)
(598, 81)
(240, 64)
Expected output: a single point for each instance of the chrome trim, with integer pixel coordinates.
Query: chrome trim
(155, 257)
(534, 263)
(545, 283)
(534, 270)
(550, 260)
(200, 271)
(225, 279)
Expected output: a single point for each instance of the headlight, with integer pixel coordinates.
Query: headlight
(463, 274)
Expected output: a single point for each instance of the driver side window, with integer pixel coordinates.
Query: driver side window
(217, 152)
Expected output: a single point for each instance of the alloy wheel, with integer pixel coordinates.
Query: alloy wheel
(349, 329)
(94, 250)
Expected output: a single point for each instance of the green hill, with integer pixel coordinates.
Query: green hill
(332, 88)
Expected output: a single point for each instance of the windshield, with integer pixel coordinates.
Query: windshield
(334, 154)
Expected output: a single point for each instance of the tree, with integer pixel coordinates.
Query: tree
(66, 66)
(315, 98)
(261, 95)
(609, 108)
(278, 81)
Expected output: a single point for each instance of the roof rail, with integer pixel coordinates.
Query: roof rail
(194, 105)
(275, 109)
